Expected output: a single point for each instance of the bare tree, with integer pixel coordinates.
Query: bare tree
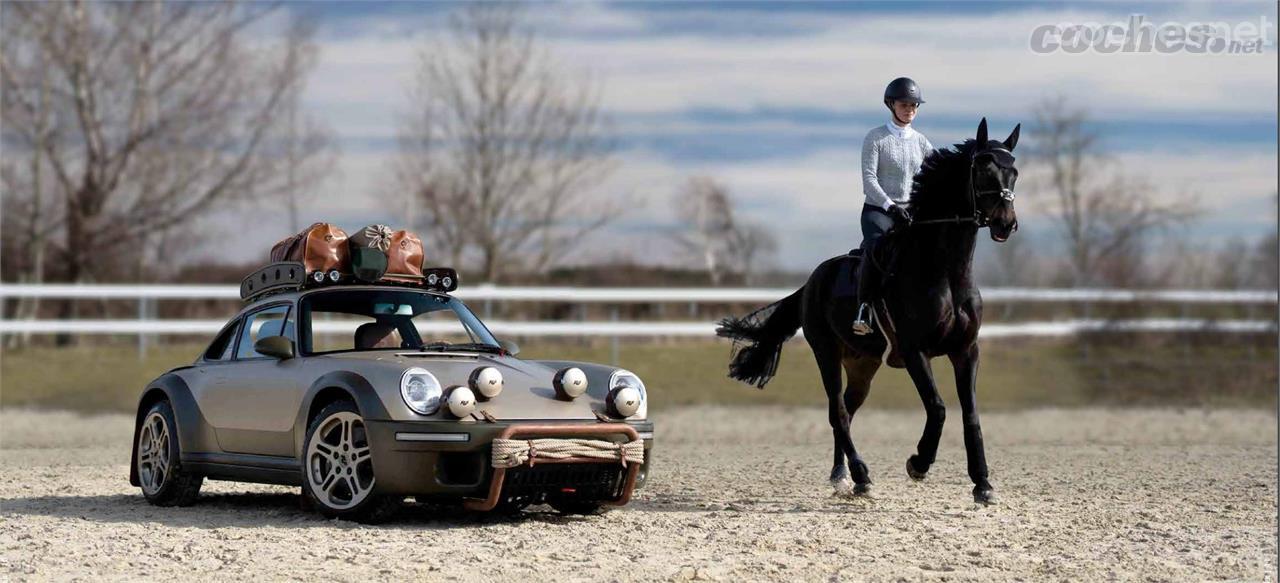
(136, 118)
(710, 231)
(750, 245)
(1266, 258)
(500, 149)
(1106, 216)
(1012, 263)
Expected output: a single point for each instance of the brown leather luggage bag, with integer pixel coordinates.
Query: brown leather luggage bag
(320, 247)
(404, 258)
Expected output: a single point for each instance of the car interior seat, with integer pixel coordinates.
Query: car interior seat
(377, 335)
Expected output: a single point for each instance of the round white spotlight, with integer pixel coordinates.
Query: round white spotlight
(486, 382)
(432, 279)
(570, 383)
(334, 276)
(318, 276)
(461, 401)
(623, 401)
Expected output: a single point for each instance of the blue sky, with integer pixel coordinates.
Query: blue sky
(774, 98)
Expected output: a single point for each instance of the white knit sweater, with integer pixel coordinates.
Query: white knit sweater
(891, 156)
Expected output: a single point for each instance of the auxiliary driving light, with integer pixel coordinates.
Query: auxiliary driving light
(570, 383)
(432, 279)
(623, 401)
(461, 401)
(334, 276)
(620, 405)
(446, 282)
(486, 382)
(318, 276)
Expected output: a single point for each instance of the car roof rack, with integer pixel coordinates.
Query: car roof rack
(287, 276)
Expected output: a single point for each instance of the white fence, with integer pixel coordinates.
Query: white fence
(146, 295)
(649, 295)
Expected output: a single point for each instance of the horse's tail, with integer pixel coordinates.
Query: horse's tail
(758, 339)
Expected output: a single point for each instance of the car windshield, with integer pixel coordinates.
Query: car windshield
(372, 319)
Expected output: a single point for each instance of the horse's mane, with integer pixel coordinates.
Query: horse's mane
(936, 190)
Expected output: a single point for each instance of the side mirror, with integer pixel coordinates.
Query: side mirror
(511, 347)
(275, 347)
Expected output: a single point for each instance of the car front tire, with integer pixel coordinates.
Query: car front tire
(337, 466)
(161, 476)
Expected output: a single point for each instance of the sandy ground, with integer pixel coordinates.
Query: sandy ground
(737, 494)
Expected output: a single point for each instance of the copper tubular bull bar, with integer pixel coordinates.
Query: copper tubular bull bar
(500, 474)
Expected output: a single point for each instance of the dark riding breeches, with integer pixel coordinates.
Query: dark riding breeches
(875, 223)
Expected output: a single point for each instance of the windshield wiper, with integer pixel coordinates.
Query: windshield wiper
(476, 346)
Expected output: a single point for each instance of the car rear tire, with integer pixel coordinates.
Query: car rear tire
(337, 467)
(161, 476)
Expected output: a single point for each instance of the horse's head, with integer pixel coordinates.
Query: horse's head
(993, 176)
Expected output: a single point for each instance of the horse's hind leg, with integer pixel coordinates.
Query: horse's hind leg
(827, 355)
(859, 369)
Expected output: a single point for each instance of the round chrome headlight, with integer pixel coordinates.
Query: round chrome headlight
(421, 391)
(318, 276)
(487, 382)
(625, 379)
(335, 275)
(570, 383)
(461, 401)
(432, 279)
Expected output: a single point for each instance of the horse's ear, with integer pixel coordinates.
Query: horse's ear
(1012, 140)
(982, 133)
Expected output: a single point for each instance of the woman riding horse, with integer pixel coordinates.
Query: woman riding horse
(891, 156)
(931, 308)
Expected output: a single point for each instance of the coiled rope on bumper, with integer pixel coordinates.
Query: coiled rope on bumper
(509, 453)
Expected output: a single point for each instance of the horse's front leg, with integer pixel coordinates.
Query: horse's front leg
(966, 367)
(935, 413)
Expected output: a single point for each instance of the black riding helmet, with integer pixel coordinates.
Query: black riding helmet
(902, 88)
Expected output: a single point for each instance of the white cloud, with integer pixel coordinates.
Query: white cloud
(968, 64)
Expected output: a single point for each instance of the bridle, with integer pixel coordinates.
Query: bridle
(977, 217)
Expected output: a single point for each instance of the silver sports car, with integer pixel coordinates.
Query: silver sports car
(365, 395)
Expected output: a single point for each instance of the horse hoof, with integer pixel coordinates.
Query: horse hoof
(843, 487)
(862, 490)
(984, 496)
(911, 470)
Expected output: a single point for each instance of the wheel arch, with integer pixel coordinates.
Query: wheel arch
(192, 431)
(332, 387)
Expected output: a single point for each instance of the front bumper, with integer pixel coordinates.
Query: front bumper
(436, 460)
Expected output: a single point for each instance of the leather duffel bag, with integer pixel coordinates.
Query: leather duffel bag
(369, 252)
(320, 247)
(404, 258)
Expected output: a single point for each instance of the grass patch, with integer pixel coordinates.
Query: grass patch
(1013, 374)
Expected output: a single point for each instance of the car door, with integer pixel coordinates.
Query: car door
(255, 398)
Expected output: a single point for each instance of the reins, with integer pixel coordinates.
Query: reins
(977, 217)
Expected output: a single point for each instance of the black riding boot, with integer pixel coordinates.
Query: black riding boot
(868, 280)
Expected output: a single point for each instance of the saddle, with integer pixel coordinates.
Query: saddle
(845, 287)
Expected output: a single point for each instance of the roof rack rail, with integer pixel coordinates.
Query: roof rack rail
(286, 276)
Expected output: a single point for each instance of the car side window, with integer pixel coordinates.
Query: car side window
(222, 346)
(259, 325)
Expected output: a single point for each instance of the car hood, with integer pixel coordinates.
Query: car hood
(527, 392)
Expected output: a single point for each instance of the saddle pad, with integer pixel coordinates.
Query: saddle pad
(846, 285)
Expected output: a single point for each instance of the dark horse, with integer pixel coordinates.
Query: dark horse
(931, 308)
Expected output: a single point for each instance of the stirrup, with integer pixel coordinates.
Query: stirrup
(861, 324)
